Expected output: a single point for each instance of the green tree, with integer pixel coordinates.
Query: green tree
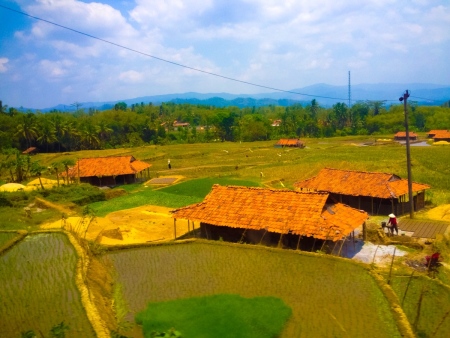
(27, 129)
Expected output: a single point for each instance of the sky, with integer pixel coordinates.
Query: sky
(285, 44)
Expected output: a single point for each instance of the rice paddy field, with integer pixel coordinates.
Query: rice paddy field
(38, 291)
(328, 297)
(6, 237)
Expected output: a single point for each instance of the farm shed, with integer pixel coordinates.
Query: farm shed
(431, 133)
(376, 193)
(30, 151)
(442, 135)
(103, 171)
(292, 142)
(270, 216)
(401, 136)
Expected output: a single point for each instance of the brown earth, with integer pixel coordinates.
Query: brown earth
(137, 225)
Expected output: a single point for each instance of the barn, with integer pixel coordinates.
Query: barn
(274, 217)
(290, 142)
(376, 193)
(109, 171)
(442, 135)
(433, 132)
(401, 136)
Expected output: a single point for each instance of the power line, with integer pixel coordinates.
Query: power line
(168, 61)
(423, 98)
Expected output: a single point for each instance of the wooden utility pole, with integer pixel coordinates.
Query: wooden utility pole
(404, 98)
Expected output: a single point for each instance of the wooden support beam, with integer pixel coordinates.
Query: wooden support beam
(265, 232)
(243, 234)
(174, 228)
(339, 253)
(298, 243)
(279, 241)
(364, 231)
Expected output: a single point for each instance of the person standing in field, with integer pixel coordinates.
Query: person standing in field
(392, 223)
(168, 164)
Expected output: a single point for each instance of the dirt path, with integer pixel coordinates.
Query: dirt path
(137, 225)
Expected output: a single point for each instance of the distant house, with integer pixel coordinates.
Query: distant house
(177, 124)
(293, 142)
(442, 135)
(30, 151)
(431, 133)
(108, 171)
(401, 136)
(276, 123)
(376, 193)
(272, 217)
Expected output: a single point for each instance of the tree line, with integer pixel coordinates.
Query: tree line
(140, 124)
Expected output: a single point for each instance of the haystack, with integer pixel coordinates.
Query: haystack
(10, 187)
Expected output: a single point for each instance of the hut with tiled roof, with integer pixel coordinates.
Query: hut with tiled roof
(290, 142)
(376, 193)
(109, 171)
(401, 136)
(442, 135)
(270, 216)
(433, 132)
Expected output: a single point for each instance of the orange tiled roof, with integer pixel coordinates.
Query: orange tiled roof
(403, 134)
(280, 211)
(107, 166)
(359, 183)
(289, 142)
(442, 134)
(436, 131)
(29, 150)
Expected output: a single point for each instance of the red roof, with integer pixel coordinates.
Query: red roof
(359, 183)
(289, 142)
(403, 134)
(442, 134)
(107, 166)
(280, 211)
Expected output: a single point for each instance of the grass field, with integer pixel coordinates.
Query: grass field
(6, 237)
(224, 316)
(38, 288)
(328, 297)
(432, 317)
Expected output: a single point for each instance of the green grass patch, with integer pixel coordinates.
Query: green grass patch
(434, 307)
(5, 237)
(202, 186)
(14, 218)
(328, 297)
(144, 197)
(217, 316)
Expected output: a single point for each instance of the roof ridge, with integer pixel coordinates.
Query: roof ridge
(272, 189)
(360, 171)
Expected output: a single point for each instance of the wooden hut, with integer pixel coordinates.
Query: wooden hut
(273, 217)
(30, 151)
(376, 193)
(431, 133)
(292, 142)
(401, 136)
(442, 135)
(109, 171)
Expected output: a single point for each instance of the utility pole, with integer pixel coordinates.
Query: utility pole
(404, 98)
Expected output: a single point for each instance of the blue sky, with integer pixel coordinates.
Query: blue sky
(283, 44)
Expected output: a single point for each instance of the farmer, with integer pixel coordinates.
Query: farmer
(392, 224)
(168, 164)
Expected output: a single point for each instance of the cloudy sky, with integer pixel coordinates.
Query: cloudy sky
(283, 44)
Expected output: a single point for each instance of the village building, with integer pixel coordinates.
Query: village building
(109, 171)
(293, 142)
(431, 133)
(276, 123)
(177, 124)
(284, 218)
(376, 193)
(401, 136)
(30, 151)
(442, 135)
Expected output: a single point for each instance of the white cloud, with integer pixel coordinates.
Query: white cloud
(131, 76)
(3, 62)
(55, 69)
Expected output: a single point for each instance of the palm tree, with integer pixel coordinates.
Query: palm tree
(37, 169)
(89, 136)
(27, 129)
(47, 134)
(67, 163)
(55, 168)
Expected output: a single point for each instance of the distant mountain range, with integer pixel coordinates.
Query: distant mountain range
(325, 95)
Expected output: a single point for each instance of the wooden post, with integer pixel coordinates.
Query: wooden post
(372, 204)
(364, 231)
(189, 227)
(265, 232)
(279, 241)
(314, 244)
(334, 247)
(174, 228)
(243, 234)
(353, 238)
(298, 243)
(193, 229)
(340, 249)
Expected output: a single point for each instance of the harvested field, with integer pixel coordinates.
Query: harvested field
(328, 297)
(38, 288)
(137, 225)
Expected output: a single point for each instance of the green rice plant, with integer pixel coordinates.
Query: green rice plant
(37, 279)
(221, 315)
(202, 186)
(329, 297)
(434, 306)
(140, 198)
(5, 237)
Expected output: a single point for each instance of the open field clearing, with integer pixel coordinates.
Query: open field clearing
(38, 288)
(328, 297)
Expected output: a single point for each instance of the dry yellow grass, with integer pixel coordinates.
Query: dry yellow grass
(441, 213)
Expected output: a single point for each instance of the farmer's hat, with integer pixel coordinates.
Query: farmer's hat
(391, 216)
